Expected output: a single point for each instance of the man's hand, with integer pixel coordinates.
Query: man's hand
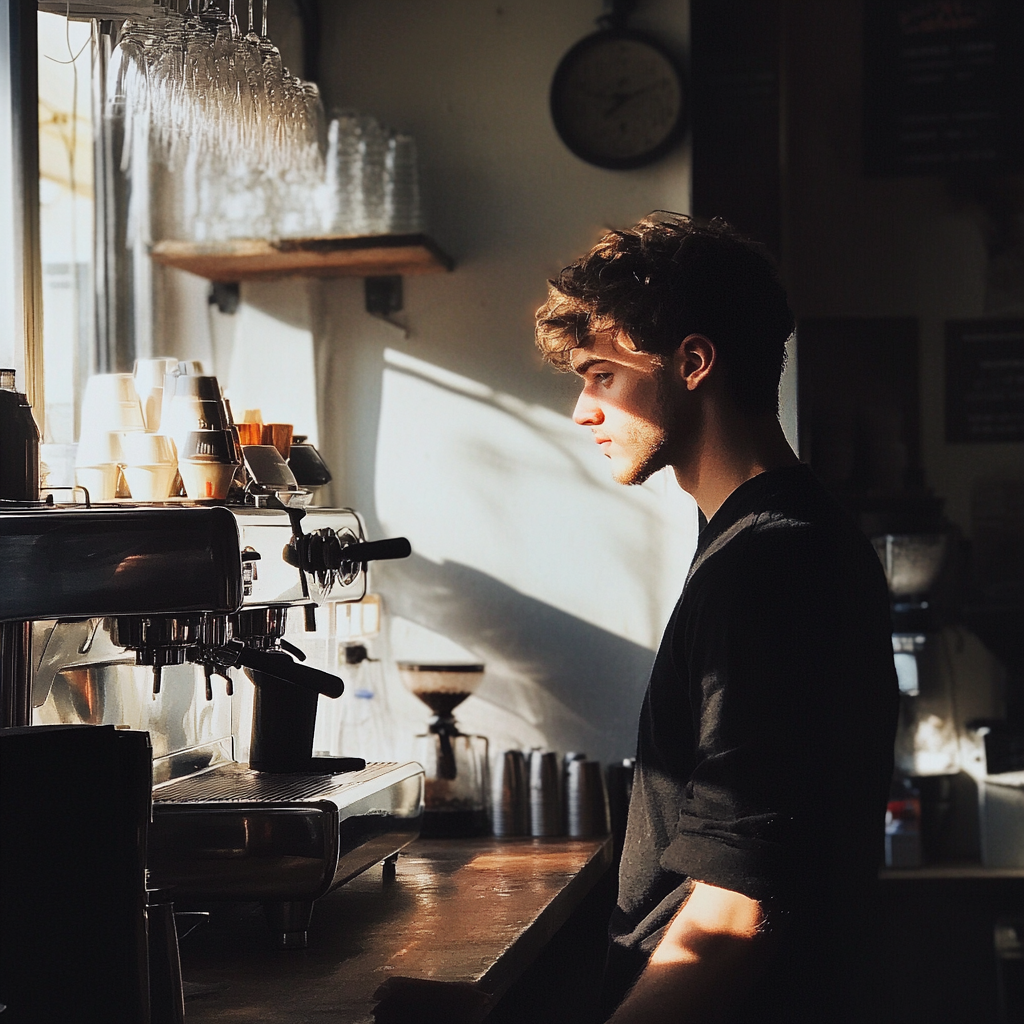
(703, 965)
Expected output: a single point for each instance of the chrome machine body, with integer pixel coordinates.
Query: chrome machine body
(142, 617)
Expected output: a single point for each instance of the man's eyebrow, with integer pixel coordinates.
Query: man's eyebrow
(586, 364)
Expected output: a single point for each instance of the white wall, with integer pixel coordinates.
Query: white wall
(525, 554)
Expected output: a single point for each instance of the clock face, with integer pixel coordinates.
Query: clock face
(617, 100)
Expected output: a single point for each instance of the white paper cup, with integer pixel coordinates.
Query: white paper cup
(149, 382)
(144, 449)
(150, 483)
(152, 405)
(100, 447)
(110, 402)
(100, 481)
(149, 373)
(166, 397)
(109, 388)
(204, 480)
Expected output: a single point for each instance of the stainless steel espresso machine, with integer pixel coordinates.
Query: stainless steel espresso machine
(211, 590)
(156, 619)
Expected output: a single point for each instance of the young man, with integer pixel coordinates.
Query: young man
(765, 742)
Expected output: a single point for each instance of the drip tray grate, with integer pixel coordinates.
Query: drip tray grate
(238, 784)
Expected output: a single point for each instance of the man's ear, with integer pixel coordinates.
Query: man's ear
(695, 359)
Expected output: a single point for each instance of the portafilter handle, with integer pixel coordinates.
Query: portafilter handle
(280, 666)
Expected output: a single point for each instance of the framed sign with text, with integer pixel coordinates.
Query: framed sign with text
(943, 86)
(984, 380)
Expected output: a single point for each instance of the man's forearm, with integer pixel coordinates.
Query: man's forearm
(703, 965)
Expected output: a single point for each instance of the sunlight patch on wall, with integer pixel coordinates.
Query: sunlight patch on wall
(513, 490)
(272, 369)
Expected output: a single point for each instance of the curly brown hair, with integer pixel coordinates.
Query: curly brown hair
(668, 277)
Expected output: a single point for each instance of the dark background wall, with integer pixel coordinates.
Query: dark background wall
(936, 248)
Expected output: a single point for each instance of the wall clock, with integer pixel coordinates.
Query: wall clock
(618, 99)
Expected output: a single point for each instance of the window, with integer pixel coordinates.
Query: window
(65, 218)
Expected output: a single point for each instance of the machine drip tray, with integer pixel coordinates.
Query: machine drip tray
(235, 783)
(232, 833)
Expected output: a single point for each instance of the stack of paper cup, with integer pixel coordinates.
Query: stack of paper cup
(149, 382)
(110, 408)
(207, 463)
(196, 417)
(149, 465)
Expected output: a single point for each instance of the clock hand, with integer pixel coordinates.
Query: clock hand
(620, 99)
(596, 94)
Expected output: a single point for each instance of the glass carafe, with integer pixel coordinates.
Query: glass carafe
(455, 796)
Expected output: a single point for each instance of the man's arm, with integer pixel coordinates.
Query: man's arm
(703, 964)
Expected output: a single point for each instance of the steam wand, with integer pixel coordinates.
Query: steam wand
(295, 516)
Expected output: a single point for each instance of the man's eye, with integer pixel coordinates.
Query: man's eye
(602, 378)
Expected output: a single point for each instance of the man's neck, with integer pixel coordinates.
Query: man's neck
(730, 451)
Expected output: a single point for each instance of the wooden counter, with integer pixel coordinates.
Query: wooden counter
(951, 873)
(942, 923)
(442, 942)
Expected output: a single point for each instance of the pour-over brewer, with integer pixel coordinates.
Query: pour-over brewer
(455, 801)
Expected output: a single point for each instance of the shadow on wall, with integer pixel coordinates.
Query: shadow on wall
(479, 477)
(527, 555)
(551, 676)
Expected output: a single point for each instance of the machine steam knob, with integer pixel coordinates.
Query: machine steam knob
(327, 550)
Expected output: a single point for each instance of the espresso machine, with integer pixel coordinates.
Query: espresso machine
(933, 808)
(152, 620)
(211, 590)
(926, 743)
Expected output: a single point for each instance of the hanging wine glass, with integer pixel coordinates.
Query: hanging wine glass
(233, 139)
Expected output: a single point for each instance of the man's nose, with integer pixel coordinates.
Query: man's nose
(587, 412)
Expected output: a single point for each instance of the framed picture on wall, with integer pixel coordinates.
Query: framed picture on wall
(984, 380)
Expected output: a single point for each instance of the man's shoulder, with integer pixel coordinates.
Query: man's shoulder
(772, 508)
(787, 526)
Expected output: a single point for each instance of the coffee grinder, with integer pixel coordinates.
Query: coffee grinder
(455, 797)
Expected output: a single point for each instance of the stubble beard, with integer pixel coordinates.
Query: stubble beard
(649, 446)
(649, 441)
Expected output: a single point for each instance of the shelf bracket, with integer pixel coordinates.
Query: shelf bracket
(383, 296)
(225, 295)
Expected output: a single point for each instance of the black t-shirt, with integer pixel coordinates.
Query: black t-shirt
(765, 747)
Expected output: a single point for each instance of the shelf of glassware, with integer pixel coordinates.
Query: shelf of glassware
(247, 259)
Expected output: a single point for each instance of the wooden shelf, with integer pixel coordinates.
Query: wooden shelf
(248, 259)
